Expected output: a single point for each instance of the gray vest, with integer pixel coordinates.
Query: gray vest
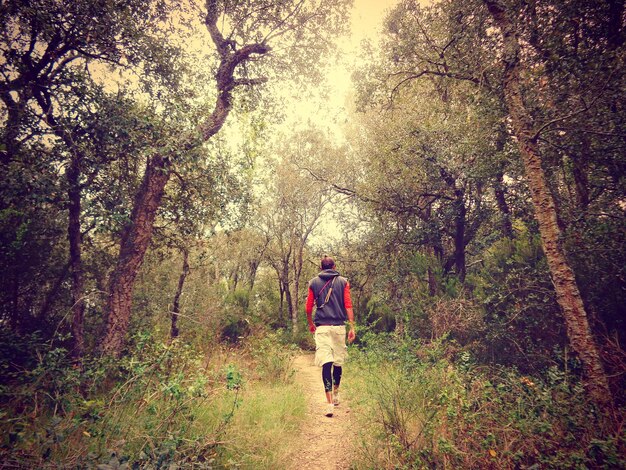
(333, 311)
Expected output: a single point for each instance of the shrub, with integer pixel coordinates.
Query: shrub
(234, 329)
(425, 411)
(518, 297)
(274, 361)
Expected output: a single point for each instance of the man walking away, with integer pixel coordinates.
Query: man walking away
(330, 293)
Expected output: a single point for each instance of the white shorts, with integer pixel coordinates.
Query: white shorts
(330, 345)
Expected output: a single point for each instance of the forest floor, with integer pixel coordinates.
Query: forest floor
(324, 443)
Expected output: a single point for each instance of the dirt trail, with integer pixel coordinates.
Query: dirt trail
(325, 443)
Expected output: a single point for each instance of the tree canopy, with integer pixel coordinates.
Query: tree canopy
(172, 173)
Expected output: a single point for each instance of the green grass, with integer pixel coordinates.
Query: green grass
(264, 427)
(165, 407)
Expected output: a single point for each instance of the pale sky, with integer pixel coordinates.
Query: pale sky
(329, 110)
(367, 17)
(366, 23)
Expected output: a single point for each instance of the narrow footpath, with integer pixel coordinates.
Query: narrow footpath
(325, 443)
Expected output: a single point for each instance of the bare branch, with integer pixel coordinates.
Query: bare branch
(584, 109)
(271, 34)
(414, 76)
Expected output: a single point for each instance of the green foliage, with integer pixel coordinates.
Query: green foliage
(597, 248)
(515, 287)
(31, 248)
(266, 303)
(273, 359)
(443, 175)
(234, 329)
(233, 377)
(379, 316)
(163, 406)
(464, 361)
(239, 299)
(424, 410)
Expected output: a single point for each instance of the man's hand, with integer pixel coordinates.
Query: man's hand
(311, 327)
(351, 335)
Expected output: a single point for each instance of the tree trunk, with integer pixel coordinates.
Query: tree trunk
(432, 282)
(52, 293)
(289, 301)
(179, 291)
(459, 236)
(281, 306)
(253, 268)
(499, 187)
(76, 264)
(133, 247)
(73, 226)
(568, 294)
(294, 306)
(12, 126)
(297, 272)
(294, 309)
(235, 278)
(503, 207)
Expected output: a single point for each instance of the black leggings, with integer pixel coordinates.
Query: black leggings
(329, 378)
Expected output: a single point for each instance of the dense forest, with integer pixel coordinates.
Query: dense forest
(166, 197)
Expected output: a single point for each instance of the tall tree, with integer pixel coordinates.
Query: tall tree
(526, 131)
(455, 43)
(47, 47)
(253, 26)
(295, 206)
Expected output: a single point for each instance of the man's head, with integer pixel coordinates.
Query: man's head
(328, 262)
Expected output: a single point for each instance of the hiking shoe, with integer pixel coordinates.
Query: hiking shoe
(336, 398)
(330, 408)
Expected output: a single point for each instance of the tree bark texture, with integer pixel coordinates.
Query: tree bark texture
(281, 305)
(252, 270)
(432, 282)
(74, 234)
(568, 294)
(133, 247)
(295, 306)
(179, 290)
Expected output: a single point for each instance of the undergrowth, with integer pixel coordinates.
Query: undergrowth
(421, 409)
(165, 406)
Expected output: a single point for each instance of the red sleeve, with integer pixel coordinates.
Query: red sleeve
(309, 301)
(347, 300)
